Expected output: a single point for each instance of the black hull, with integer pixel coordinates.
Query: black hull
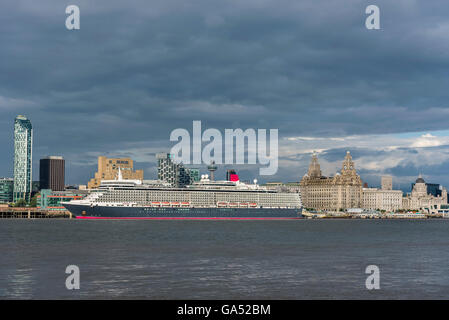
(103, 212)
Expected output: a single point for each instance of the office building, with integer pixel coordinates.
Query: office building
(51, 200)
(384, 199)
(340, 192)
(434, 189)
(108, 170)
(380, 199)
(23, 149)
(52, 173)
(6, 190)
(420, 198)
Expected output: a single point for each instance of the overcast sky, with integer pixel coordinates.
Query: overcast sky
(136, 70)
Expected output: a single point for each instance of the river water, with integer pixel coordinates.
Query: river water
(296, 259)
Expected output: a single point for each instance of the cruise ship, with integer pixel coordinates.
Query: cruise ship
(204, 199)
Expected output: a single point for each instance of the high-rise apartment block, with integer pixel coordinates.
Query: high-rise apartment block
(108, 170)
(52, 173)
(174, 173)
(23, 149)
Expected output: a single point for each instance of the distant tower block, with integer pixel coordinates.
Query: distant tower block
(387, 183)
(212, 168)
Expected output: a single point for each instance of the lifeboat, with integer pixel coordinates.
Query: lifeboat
(244, 205)
(175, 204)
(185, 204)
(156, 204)
(253, 205)
(233, 205)
(166, 204)
(222, 204)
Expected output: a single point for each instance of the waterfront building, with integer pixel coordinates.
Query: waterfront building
(340, 192)
(23, 149)
(108, 170)
(432, 188)
(440, 209)
(52, 173)
(420, 198)
(171, 172)
(384, 198)
(380, 199)
(51, 200)
(6, 190)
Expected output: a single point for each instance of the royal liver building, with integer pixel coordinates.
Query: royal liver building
(342, 191)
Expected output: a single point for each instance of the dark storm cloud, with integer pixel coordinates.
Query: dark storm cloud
(138, 69)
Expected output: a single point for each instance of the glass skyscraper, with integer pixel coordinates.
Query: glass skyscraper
(23, 148)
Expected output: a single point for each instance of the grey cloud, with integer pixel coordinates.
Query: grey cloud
(137, 70)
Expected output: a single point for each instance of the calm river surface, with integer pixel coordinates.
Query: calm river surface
(303, 259)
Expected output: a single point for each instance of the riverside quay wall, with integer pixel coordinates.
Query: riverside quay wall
(31, 213)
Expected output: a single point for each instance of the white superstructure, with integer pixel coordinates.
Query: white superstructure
(202, 194)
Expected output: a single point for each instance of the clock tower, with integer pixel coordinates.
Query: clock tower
(340, 192)
(348, 167)
(314, 167)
